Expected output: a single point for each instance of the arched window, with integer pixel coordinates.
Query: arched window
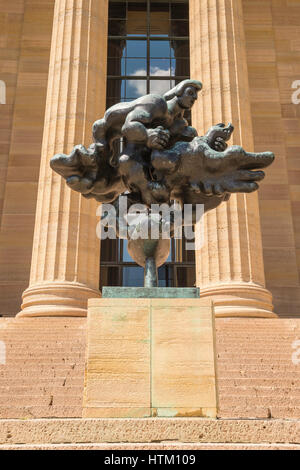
(148, 52)
(2, 92)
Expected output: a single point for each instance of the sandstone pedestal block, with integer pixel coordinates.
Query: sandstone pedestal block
(150, 357)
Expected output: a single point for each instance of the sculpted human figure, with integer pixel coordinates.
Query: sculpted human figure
(162, 157)
(150, 122)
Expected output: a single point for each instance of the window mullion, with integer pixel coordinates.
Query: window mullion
(148, 46)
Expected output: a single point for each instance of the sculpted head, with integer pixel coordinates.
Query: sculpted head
(186, 93)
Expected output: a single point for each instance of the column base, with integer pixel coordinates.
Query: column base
(240, 300)
(57, 299)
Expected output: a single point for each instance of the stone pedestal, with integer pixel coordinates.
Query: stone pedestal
(150, 357)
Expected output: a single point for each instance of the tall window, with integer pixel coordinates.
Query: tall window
(148, 52)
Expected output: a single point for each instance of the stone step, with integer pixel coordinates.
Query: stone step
(262, 367)
(282, 354)
(26, 412)
(254, 412)
(58, 362)
(267, 363)
(261, 382)
(42, 374)
(157, 446)
(45, 359)
(26, 382)
(261, 391)
(263, 372)
(41, 400)
(58, 370)
(149, 430)
(40, 390)
(252, 400)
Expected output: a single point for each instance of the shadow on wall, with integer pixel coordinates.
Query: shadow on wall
(2, 92)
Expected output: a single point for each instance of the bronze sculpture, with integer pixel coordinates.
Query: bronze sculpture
(161, 159)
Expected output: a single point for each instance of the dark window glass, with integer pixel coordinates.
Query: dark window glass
(185, 276)
(109, 250)
(117, 27)
(116, 88)
(116, 67)
(136, 48)
(180, 10)
(160, 7)
(110, 275)
(136, 67)
(148, 52)
(136, 6)
(179, 28)
(116, 48)
(165, 276)
(133, 276)
(117, 10)
(180, 48)
(160, 48)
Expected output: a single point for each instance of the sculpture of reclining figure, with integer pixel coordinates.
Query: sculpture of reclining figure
(149, 122)
(163, 158)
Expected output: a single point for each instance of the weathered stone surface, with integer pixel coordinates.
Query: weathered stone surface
(167, 446)
(150, 292)
(183, 376)
(147, 430)
(45, 359)
(117, 376)
(150, 357)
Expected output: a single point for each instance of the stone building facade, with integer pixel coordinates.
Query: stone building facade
(53, 75)
(54, 63)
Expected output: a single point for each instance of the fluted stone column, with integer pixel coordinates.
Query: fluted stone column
(66, 251)
(230, 266)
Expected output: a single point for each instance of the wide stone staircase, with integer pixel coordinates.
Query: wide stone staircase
(258, 382)
(44, 370)
(257, 375)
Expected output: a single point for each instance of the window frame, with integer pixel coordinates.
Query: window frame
(118, 264)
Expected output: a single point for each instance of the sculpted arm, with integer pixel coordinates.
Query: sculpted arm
(135, 127)
(182, 131)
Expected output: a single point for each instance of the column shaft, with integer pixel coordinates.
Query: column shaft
(230, 266)
(66, 251)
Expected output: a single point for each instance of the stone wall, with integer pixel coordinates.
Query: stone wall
(272, 29)
(24, 61)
